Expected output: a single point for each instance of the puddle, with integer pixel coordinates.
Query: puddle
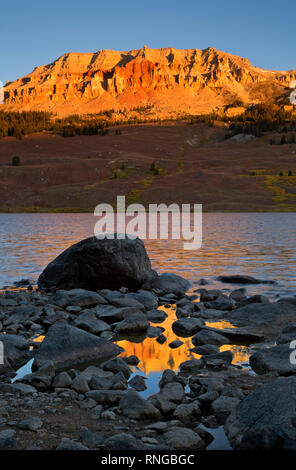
(220, 441)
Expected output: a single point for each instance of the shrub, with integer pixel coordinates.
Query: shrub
(15, 161)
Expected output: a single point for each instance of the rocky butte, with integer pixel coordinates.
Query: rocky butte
(167, 81)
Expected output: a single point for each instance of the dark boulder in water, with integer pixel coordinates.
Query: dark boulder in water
(243, 279)
(265, 419)
(95, 264)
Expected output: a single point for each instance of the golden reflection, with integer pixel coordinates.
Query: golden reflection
(220, 325)
(157, 357)
(39, 339)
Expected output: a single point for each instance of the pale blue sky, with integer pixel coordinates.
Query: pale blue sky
(35, 33)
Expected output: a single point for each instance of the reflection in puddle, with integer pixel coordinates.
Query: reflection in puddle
(157, 357)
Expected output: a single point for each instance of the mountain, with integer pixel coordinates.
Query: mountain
(165, 82)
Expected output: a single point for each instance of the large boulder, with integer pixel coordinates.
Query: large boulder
(265, 419)
(98, 264)
(67, 346)
(265, 318)
(276, 359)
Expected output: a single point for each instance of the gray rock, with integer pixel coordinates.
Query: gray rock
(183, 439)
(69, 444)
(156, 316)
(223, 406)
(21, 388)
(243, 279)
(209, 337)
(133, 324)
(186, 327)
(136, 407)
(138, 383)
(85, 299)
(206, 349)
(117, 364)
(265, 419)
(68, 346)
(168, 376)
(188, 413)
(222, 302)
(89, 321)
(105, 397)
(8, 441)
(111, 314)
(219, 359)
(161, 339)
(254, 299)
(191, 365)
(265, 318)
(238, 295)
(131, 360)
(288, 334)
(123, 441)
(173, 391)
(80, 384)
(33, 423)
(167, 283)
(97, 264)
(127, 301)
(176, 344)
(62, 380)
(154, 332)
(276, 359)
(90, 439)
(148, 299)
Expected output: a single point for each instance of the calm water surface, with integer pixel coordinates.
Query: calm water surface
(261, 245)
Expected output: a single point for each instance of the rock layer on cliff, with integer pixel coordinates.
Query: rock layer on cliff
(169, 80)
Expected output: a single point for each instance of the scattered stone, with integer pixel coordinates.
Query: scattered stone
(209, 337)
(223, 406)
(156, 316)
(135, 323)
(186, 327)
(183, 439)
(33, 423)
(243, 279)
(69, 444)
(138, 383)
(136, 407)
(176, 344)
(123, 441)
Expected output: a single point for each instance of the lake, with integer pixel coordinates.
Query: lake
(258, 244)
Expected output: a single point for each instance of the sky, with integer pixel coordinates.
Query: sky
(35, 33)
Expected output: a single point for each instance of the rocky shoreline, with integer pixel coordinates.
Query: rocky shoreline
(84, 393)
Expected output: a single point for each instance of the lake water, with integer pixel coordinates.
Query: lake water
(261, 245)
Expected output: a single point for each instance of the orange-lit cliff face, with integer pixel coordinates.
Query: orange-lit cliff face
(155, 357)
(170, 80)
